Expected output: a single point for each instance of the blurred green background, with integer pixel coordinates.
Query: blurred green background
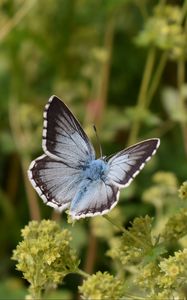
(119, 64)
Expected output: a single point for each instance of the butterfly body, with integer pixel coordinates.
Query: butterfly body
(96, 170)
(68, 175)
(95, 178)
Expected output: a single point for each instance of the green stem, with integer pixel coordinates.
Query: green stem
(181, 81)
(127, 232)
(162, 2)
(113, 223)
(143, 9)
(13, 22)
(19, 138)
(82, 273)
(105, 72)
(181, 77)
(146, 77)
(184, 10)
(156, 78)
(35, 293)
(141, 102)
(134, 297)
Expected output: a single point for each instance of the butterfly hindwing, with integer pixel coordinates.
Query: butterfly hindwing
(94, 198)
(54, 181)
(126, 164)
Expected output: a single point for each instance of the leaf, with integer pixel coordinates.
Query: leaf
(154, 253)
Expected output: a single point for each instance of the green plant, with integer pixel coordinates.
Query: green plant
(147, 265)
(45, 256)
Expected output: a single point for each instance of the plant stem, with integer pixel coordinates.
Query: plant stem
(83, 273)
(35, 293)
(141, 102)
(146, 77)
(91, 253)
(143, 9)
(181, 81)
(19, 139)
(184, 10)
(105, 72)
(127, 232)
(162, 2)
(13, 22)
(156, 78)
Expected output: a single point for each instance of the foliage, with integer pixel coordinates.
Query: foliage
(45, 257)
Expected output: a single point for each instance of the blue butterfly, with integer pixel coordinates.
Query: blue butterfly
(68, 175)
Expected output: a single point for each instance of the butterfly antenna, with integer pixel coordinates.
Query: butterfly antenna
(98, 141)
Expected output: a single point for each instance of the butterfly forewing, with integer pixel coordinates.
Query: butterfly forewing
(57, 174)
(63, 136)
(126, 164)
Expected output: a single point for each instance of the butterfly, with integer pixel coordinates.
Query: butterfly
(68, 174)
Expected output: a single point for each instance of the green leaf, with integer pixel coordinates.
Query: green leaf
(154, 254)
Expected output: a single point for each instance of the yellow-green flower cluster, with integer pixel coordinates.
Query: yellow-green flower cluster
(183, 191)
(135, 243)
(101, 286)
(176, 227)
(164, 278)
(164, 30)
(173, 271)
(146, 276)
(115, 245)
(45, 255)
(164, 295)
(164, 189)
(166, 178)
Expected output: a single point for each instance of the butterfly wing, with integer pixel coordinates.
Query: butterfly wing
(54, 181)
(94, 198)
(57, 174)
(126, 164)
(63, 136)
